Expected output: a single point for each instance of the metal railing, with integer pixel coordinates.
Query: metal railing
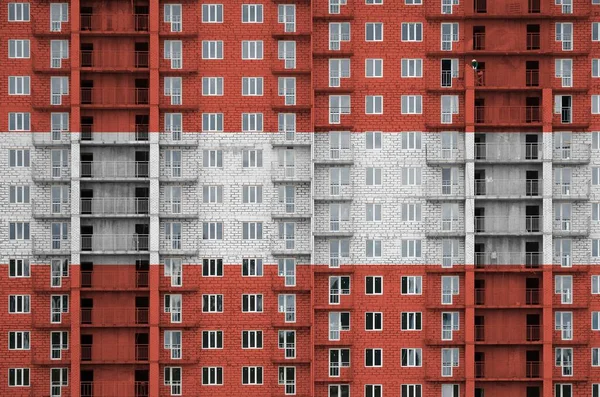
(140, 134)
(115, 96)
(508, 151)
(508, 187)
(114, 59)
(529, 333)
(114, 242)
(507, 296)
(114, 169)
(114, 353)
(115, 316)
(531, 260)
(444, 155)
(114, 388)
(484, 78)
(333, 154)
(298, 171)
(110, 279)
(508, 115)
(572, 153)
(122, 22)
(508, 225)
(114, 206)
(578, 188)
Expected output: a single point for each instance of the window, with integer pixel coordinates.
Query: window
(339, 252)
(212, 267)
(450, 323)
(212, 194)
(287, 306)
(59, 13)
(19, 85)
(595, 31)
(338, 33)
(413, 2)
(59, 50)
(173, 304)
(173, 270)
(252, 13)
(563, 285)
(173, 343)
(172, 15)
(595, 357)
(411, 248)
(59, 342)
(564, 359)
(58, 304)
(286, 51)
(212, 13)
(18, 230)
(373, 176)
(287, 89)
(252, 267)
(373, 212)
(18, 268)
(252, 230)
(252, 339)
(413, 390)
(563, 390)
(287, 234)
(212, 158)
(373, 321)
(595, 386)
(60, 235)
(59, 378)
(595, 176)
(412, 104)
(338, 358)
(18, 12)
(411, 321)
(411, 176)
(374, 31)
(595, 321)
(595, 104)
(252, 194)
(338, 322)
(287, 125)
(373, 248)
(449, 105)
(59, 123)
(374, 68)
(172, 236)
(411, 285)
(338, 285)
(374, 104)
(411, 140)
(212, 339)
(563, 322)
(173, 89)
(212, 86)
(252, 122)
(563, 69)
(411, 357)
(411, 212)
(449, 35)
(412, 31)
(373, 357)
(338, 69)
(18, 49)
(212, 376)
(252, 50)
(595, 212)
(374, 390)
(374, 285)
(412, 68)
(19, 122)
(172, 377)
(252, 86)
(286, 14)
(338, 105)
(173, 125)
(252, 375)
(212, 303)
(595, 248)
(287, 377)
(450, 288)
(59, 269)
(373, 140)
(252, 303)
(449, 360)
(18, 194)
(18, 377)
(373, 2)
(212, 49)
(595, 285)
(564, 34)
(18, 340)
(286, 267)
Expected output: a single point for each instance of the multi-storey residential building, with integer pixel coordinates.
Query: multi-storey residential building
(330, 198)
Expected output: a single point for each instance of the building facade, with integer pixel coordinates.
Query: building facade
(310, 198)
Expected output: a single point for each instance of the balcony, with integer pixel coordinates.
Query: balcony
(114, 24)
(178, 209)
(507, 297)
(527, 334)
(334, 156)
(114, 317)
(114, 207)
(114, 388)
(440, 190)
(114, 354)
(113, 61)
(50, 139)
(508, 188)
(508, 116)
(114, 243)
(437, 227)
(579, 189)
(438, 155)
(113, 280)
(294, 207)
(178, 172)
(528, 79)
(114, 170)
(291, 138)
(571, 227)
(572, 154)
(295, 173)
(176, 245)
(300, 245)
(522, 44)
(45, 209)
(114, 98)
(334, 192)
(507, 226)
(500, 261)
(512, 9)
(518, 371)
(324, 227)
(50, 172)
(46, 246)
(137, 138)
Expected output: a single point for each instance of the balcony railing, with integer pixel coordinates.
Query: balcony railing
(508, 187)
(114, 96)
(485, 78)
(59, 138)
(177, 244)
(114, 23)
(114, 242)
(297, 172)
(300, 245)
(508, 225)
(515, 8)
(89, 137)
(119, 353)
(47, 209)
(114, 317)
(531, 370)
(579, 188)
(114, 206)
(507, 297)
(333, 155)
(114, 169)
(435, 226)
(575, 227)
(50, 171)
(114, 59)
(108, 279)
(443, 155)
(573, 153)
(114, 388)
(508, 115)
(530, 260)
(528, 333)
(498, 152)
(47, 246)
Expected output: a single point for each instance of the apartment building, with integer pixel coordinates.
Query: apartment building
(328, 199)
